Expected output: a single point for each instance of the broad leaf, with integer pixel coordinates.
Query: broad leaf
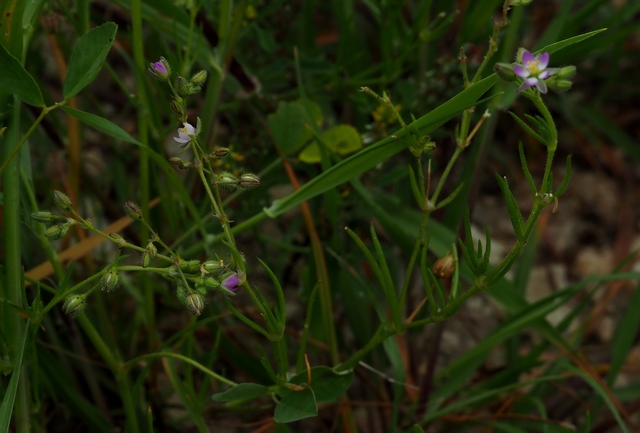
(341, 139)
(87, 58)
(326, 383)
(288, 126)
(15, 80)
(295, 405)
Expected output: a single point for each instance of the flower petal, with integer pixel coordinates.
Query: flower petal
(543, 60)
(544, 75)
(542, 86)
(189, 128)
(527, 57)
(181, 140)
(521, 71)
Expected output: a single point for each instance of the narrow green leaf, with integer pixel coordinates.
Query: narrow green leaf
(525, 169)
(597, 387)
(563, 44)
(512, 207)
(242, 391)
(527, 128)
(15, 80)
(565, 180)
(295, 405)
(624, 336)
(417, 194)
(87, 58)
(10, 393)
(101, 124)
(487, 252)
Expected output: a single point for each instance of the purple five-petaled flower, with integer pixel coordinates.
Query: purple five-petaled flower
(159, 70)
(534, 71)
(230, 283)
(185, 134)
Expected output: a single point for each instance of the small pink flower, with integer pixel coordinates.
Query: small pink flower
(534, 71)
(185, 134)
(230, 284)
(160, 69)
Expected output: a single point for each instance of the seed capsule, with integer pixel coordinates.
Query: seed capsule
(444, 266)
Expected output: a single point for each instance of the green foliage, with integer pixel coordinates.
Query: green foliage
(286, 336)
(87, 58)
(16, 80)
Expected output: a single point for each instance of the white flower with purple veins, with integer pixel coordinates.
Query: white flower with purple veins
(534, 71)
(185, 134)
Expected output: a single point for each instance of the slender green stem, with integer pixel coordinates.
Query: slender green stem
(280, 352)
(60, 296)
(26, 136)
(382, 333)
(157, 355)
(414, 256)
(445, 174)
(143, 136)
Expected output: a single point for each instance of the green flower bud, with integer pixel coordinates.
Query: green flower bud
(199, 78)
(111, 280)
(57, 232)
(566, 72)
(74, 305)
(180, 163)
(227, 180)
(221, 152)
(195, 303)
(248, 181)
(152, 250)
(44, 217)
(212, 267)
(182, 87)
(146, 259)
(62, 201)
(178, 108)
(190, 266)
(559, 86)
(117, 239)
(505, 71)
(133, 210)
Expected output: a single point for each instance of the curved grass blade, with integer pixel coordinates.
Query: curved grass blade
(10, 394)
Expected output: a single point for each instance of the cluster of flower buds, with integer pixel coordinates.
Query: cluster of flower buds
(229, 181)
(150, 252)
(57, 231)
(185, 88)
